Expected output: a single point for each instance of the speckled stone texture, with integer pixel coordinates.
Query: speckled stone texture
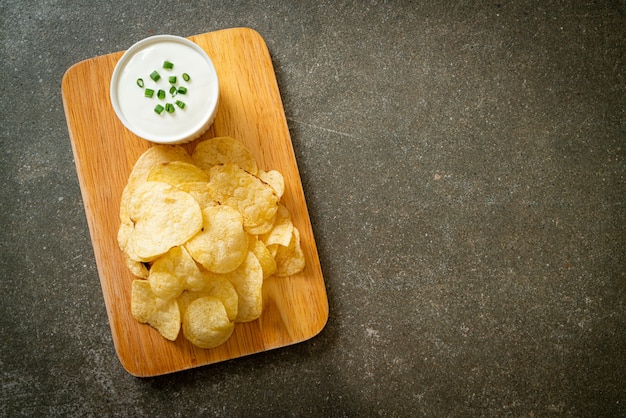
(464, 169)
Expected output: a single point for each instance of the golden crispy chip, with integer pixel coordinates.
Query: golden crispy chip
(282, 230)
(163, 217)
(219, 286)
(142, 303)
(166, 319)
(290, 259)
(248, 282)
(177, 172)
(216, 285)
(201, 192)
(263, 228)
(162, 315)
(222, 244)
(235, 187)
(125, 240)
(174, 272)
(138, 268)
(222, 150)
(275, 179)
(266, 259)
(206, 324)
(152, 157)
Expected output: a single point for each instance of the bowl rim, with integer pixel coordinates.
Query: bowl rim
(184, 136)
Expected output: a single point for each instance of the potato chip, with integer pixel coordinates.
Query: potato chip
(201, 192)
(177, 172)
(216, 285)
(235, 187)
(219, 286)
(174, 272)
(162, 315)
(222, 244)
(143, 303)
(263, 228)
(163, 217)
(166, 319)
(248, 282)
(152, 157)
(222, 150)
(138, 268)
(206, 324)
(275, 179)
(266, 259)
(290, 259)
(282, 229)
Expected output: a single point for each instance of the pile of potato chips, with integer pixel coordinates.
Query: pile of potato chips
(201, 232)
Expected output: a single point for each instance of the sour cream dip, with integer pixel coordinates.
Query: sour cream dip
(189, 103)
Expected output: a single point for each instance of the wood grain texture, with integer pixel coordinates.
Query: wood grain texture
(250, 109)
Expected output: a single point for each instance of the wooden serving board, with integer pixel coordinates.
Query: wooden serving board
(250, 109)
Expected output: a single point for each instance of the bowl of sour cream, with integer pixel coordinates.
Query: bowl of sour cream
(165, 89)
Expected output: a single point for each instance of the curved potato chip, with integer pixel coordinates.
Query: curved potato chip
(220, 287)
(290, 259)
(222, 244)
(248, 282)
(266, 259)
(275, 179)
(162, 315)
(142, 302)
(152, 157)
(177, 172)
(282, 230)
(163, 217)
(235, 187)
(125, 240)
(206, 324)
(263, 228)
(216, 285)
(174, 272)
(222, 150)
(137, 268)
(201, 192)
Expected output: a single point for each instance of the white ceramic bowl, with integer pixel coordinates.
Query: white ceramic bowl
(190, 118)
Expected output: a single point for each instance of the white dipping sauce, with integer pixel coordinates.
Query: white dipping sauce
(137, 111)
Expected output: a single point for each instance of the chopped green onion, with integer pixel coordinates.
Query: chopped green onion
(140, 82)
(158, 109)
(169, 108)
(168, 65)
(172, 79)
(180, 104)
(149, 93)
(161, 94)
(155, 76)
(173, 90)
(182, 90)
(186, 77)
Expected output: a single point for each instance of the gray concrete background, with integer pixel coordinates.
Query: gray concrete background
(464, 169)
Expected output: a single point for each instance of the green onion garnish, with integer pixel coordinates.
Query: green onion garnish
(161, 94)
(186, 77)
(168, 65)
(180, 104)
(172, 90)
(172, 79)
(182, 90)
(158, 109)
(169, 108)
(140, 82)
(149, 93)
(155, 76)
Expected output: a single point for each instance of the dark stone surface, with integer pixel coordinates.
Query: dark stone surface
(464, 170)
